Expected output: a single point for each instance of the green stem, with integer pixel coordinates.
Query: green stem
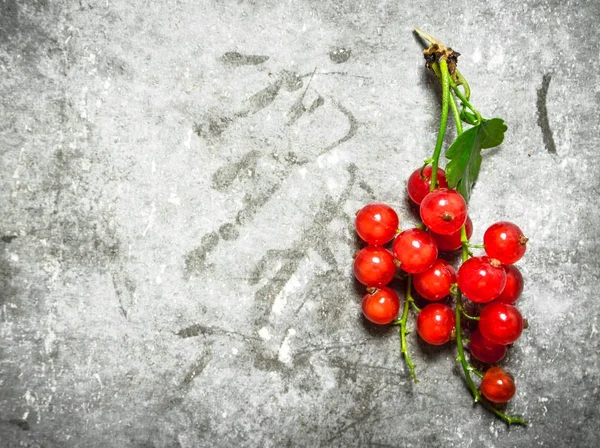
(508, 419)
(461, 352)
(456, 115)
(468, 316)
(465, 243)
(463, 82)
(464, 100)
(445, 80)
(404, 331)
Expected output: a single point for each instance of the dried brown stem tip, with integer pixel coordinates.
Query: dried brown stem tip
(437, 51)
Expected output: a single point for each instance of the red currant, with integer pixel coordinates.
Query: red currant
(381, 306)
(374, 266)
(444, 211)
(514, 285)
(504, 241)
(419, 185)
(497, 385)
(448, 243)
(435, 282)
(376, 223)
(484, 350)
(435, 323)
(481, 279)
(500, 323)
(416, 250)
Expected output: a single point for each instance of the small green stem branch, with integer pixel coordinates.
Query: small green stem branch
(461, 81)
(464, 100)
(468, 316)
(465, 243)
(404, 331)
(445, 80)
(467, 369)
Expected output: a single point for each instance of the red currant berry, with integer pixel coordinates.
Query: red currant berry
(486, 351)
(376, 223)
(444, 211)
(435, 323)
(500, 323)
(381, 306)
(416, 250)
(504, 241)
(514, 285)
(374, 266)
(435, 282)
(497, 385)
(448, 243)
(481, 279)
(419, 185)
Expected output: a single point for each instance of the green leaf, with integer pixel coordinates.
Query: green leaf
(465, 154)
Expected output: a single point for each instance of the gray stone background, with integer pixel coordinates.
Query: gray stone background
(176, 206)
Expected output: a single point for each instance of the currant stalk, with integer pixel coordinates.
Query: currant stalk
(450, 83)
(403, 331)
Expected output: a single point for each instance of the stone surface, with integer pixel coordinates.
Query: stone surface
(178, 183)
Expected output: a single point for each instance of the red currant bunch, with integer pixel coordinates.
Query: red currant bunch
(471, 303)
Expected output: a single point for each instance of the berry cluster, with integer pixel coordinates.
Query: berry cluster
(487, 322)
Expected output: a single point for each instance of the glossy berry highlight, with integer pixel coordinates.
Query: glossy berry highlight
(448, 243)
(435, 323)
(444, 211)
(485, 350)
(374, 266)
(500, 323)
(497, 385)
(381, 306)
(419, 184)
(376, 223)
(505, 241)
(481, 279)
(416, 251)
(514, 285)
(435, 282)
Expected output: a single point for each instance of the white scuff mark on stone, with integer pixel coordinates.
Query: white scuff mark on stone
(234, 351)
(497, 59)
(476, 55)
(285, 351)
(302, 171)
(163, 268)
(99, 381)
(150, 219)
(153, 166)
(14, 257)
(174, 199)
(86, 164)
(264, 334)
(25, 414)
(279, 304)
(188, 140)
(50, 342)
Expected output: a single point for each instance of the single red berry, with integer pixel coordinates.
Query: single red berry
(435, 282)
(374, 266)
(418, 185)
(448, 243)
(381, 306)
(376, 223)
(444, 211)
(485, 350)
(500, 323)
(514, 285)
(504, 241)
(481, 279)
(415, 250)
(435, 323)
(497, 385)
